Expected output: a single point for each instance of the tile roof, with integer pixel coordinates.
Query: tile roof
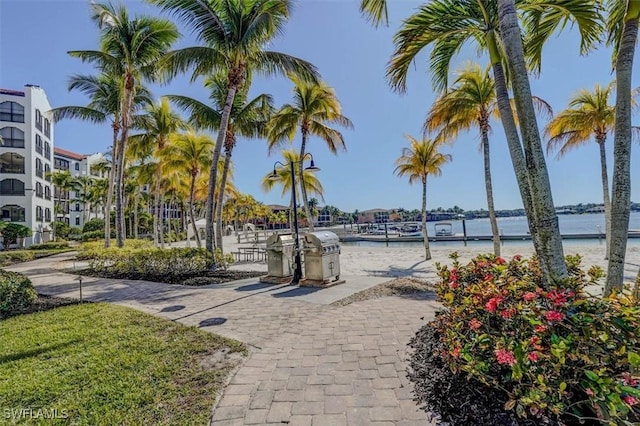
(69, 154)
(11, 92)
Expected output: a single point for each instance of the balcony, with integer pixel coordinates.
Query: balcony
(10, 162)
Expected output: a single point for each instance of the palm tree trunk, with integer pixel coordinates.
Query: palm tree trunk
(136, 219)
(550, 240)
(303, 189)
(605, 193)
(112, 176)
(219, 201)
(213, 173)
(126, 110)
(489, 187)
(192, 209)
(621, 182)
(161, 222)
(157, 220)
(515, 147)
(425, 235)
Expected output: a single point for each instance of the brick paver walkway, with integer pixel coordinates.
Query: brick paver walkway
(310, 364)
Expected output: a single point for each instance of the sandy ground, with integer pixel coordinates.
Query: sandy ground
(404, 261)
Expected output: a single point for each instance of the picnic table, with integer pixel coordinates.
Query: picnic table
(250, 254)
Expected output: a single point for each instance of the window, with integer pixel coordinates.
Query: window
(38, 144)
(47, 192)
(60, 164)
(47, 151)
(47, 215)
(39, 213)
(11, 187)
(12, 213)
(47, 172)
(12, 137)
(39, 171)
(11, 111)
(77, 166)
(39, 191)
(78, 221)
(47, 128)
(38, 119)
(11, 162)
(77, 207)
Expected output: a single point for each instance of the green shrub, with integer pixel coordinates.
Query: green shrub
(92, 249)
(12, 231)
(50, 245)
(92, 235)
(148, 261)
(15, 256)
(93, 225)
(62, 230)
(16, 292)
(557, 354)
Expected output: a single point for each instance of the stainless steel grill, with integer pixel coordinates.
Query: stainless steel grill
(280, 255)
(321, 256)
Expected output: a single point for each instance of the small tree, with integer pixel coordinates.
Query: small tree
(11, 232)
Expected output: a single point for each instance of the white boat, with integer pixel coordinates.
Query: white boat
(443, 229)
(411, 230)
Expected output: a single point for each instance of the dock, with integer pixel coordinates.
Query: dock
(348, 237)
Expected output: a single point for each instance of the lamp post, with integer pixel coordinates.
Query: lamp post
(297, 272)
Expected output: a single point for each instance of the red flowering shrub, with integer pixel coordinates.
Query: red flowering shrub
(557, 354)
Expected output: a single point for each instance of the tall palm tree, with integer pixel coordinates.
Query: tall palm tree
(158, 124)
(470, 103)
(314, 109)
(190, 153)
(63, 182)
(235, 36)
(248, 118)
(104, 92)
(447, 25)
(622, 24)
(589, 115)
(420, 160)
(283, 179)
(129, 49)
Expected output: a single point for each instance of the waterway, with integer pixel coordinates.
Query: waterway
(592, 223)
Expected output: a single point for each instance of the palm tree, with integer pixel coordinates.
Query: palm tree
(283, 178)
(589, 114)
(158, 124)
(190, 153)
(622, 24)
(129, 49)
(247, 119)
(235, 35)
(447, 25)
(469, 103)
(417, 162)
(314, 109)
(63, 182)
(104, 92)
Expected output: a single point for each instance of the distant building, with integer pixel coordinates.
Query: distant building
(26, 161)
(69, 208)
(374, 216)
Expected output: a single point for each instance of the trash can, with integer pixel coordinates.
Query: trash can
(321, 257)
(279, 256)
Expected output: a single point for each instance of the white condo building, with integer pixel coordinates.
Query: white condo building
(26, 157)
(71, 210)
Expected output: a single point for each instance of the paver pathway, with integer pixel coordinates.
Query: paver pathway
(309, 364)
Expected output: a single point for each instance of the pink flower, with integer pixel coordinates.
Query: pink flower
(533, 356)
(500, 261)
(492, 304)
(517, 257)
(508, 313)
(455, 352)
(540, 328)
(488, 277)
(454, 284)
(558, 298)
(505, 357)
(628, 380)
(630, 400)
(474, 324)
(554, 316)
(589, 392)
(529, 296)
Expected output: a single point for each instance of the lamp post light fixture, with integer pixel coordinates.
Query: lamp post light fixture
(297, 272)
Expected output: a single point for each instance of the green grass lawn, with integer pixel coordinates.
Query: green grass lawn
(109, 365)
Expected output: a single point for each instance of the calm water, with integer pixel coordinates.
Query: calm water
(569, 224)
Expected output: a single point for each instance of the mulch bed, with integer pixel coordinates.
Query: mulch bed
(43, 303)
(199, 279)
(397, 287)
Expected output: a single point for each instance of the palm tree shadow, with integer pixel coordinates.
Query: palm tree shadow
(396, 272)
(36, 352)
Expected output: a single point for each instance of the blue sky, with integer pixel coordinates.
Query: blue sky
(351, 55)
